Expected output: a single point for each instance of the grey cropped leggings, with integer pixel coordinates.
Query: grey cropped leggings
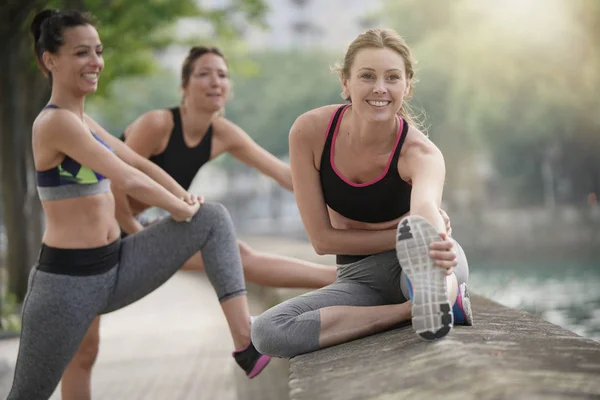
(293, 327)
(58, 308)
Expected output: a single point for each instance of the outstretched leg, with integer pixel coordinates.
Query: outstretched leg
(274, 270)
(364, 300)
(335, 314)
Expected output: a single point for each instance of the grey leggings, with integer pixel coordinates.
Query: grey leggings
(293, 327)
(58, 309)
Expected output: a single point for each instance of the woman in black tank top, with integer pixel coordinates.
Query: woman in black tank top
(180, 141)
(369, 185)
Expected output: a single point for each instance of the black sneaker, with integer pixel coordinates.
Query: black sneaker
(250, 360)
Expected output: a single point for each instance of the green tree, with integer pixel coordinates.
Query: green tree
(131, 31)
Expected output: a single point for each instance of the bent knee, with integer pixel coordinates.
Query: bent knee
(259, 330)
(462, 265)
(269, 337)
(214, 215)
(215, 210)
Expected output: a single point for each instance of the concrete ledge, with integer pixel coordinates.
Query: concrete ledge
(507, 354)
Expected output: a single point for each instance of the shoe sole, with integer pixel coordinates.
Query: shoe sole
(431, 311)
(262, 362)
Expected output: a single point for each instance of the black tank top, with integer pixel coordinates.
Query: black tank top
(179, 160)
(382, 199)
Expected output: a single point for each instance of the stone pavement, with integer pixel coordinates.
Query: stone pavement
(174, 344)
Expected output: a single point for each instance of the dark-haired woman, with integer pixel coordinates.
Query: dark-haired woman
(84, 268)
(181, 140)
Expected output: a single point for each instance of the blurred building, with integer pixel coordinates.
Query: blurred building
(325, 24)
(330, 24)
(314, 23)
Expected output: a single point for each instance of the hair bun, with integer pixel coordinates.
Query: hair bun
(36, 24)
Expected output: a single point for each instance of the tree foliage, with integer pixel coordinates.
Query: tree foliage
(512, 83)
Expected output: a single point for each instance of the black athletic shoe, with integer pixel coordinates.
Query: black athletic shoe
(250, 360)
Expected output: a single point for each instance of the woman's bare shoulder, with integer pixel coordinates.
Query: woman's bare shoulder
(156, 123)
(314, 123)
(417, 142)
(54, 122)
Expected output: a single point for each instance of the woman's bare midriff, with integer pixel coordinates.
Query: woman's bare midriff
(338, 221)
(82, 222)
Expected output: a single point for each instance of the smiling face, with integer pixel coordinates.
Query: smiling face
(208, 85)
(377, 83)
(78, 63)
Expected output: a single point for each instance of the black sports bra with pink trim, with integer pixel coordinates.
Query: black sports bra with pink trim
(383, 199)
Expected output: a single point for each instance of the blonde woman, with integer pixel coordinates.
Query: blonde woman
(368, 184)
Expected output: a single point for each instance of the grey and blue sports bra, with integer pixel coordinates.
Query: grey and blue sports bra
(70, 178)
